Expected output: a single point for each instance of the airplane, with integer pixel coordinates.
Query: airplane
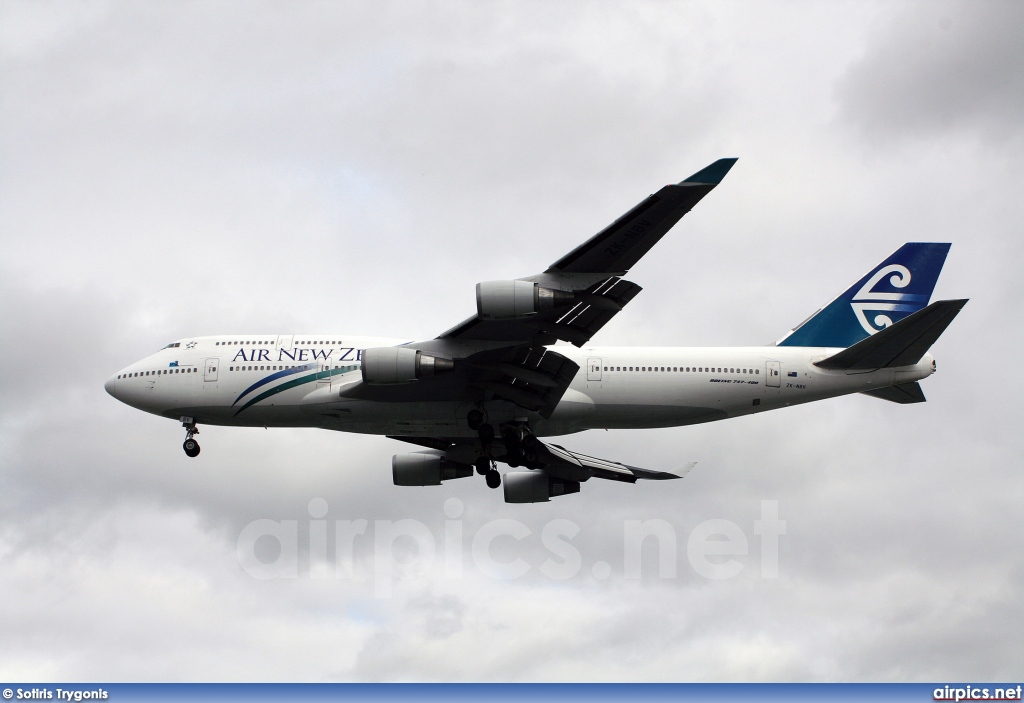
(490, 388)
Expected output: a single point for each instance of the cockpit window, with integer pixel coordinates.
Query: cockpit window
(173, 345)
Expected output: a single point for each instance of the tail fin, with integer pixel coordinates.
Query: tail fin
(876, 301)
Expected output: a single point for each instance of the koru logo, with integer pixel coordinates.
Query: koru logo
(866, 299)
(190, 345)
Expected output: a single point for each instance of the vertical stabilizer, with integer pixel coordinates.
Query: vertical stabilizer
(897, 287)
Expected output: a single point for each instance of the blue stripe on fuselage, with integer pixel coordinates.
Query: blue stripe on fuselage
(267, 379)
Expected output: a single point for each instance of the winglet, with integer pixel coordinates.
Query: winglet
(713, 173)
(685, 468)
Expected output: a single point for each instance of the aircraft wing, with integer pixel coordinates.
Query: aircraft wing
(563, 463)
(559, 462)
(505, 354)
(592, 272)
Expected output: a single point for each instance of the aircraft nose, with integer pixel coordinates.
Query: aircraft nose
(110, 386)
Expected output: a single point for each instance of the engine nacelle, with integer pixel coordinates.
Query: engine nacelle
(499, 300)
(536, 487)
(401, 365)
(426, 469)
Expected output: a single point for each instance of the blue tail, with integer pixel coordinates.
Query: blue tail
(897, 287)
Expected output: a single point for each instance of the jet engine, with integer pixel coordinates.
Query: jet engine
(401, 365)
(536, 487)
(426, 469)
(499, 300)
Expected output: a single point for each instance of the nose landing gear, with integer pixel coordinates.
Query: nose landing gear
(190, 446)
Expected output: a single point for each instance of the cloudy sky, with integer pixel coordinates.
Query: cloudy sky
(170, 169)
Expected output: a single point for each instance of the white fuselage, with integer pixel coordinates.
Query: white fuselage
(298, 381)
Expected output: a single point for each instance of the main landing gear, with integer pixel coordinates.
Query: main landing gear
(520, 447)
(190, 446)
(484, 465)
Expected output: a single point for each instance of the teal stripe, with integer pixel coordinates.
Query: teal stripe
(285, 386)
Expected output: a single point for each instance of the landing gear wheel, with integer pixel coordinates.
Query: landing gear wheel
(190, 446)
(483, 465)
(474, 419)
(493, 478)
(529, 442)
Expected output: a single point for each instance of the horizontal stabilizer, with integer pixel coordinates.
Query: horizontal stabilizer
(903, 393)
(901, 344)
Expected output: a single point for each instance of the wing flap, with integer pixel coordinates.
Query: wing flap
(576, 324)
(532, 377)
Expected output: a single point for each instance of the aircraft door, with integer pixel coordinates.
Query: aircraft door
(284, 342)
(773, 374)
(323, 373)
(594, 369)
(210, 370)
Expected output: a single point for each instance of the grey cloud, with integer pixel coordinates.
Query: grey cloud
(929, 68)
